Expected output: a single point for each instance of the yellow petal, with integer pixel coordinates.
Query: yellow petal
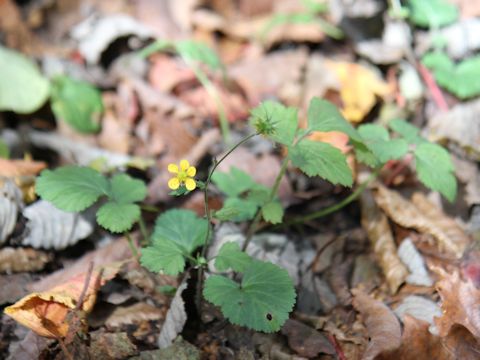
(190, 184)
(173, 168)
(184, 164)
(191, 171)
(174, 183)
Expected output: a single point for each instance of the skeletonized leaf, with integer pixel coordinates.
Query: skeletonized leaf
(52, 228)
(425, 217)
(383, 326)
(381, 238)
(10, 203)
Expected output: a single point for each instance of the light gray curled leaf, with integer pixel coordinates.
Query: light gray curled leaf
(52, 228)
(421, 308)
(10, 203)
(410, 256)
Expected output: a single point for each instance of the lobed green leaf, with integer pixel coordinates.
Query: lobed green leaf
(118, 217)
(273, 212)
(163, 255)
(232, 257)
(432, 13)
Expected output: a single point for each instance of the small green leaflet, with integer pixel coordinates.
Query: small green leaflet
(324, 116)
(197, 51)
(245, 209)
(183, 227)
(77, 103)
(364, 154)
(378, 140)
(321, 159)
(74, 188)
(273, 212)
(284, 120)
(432, 13)
(71, 188)
(233, 183)
(231, 257)
(4, 150)
(409, 132)
(261, 302)
(435, 169)
(23, 89)
(164, 255)
(460, 79)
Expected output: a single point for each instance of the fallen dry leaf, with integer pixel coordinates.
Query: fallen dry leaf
(134, 314)
(412, 259)
(46, 312)
(305, 340)
(359, 87)
(22, 259)
(380, 235)
(111, 346)
(460, 304)
(12, 168)
(420, 308)
(383, 326)
(10, 204)
(420, 214)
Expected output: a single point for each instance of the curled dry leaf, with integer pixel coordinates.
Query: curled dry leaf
(410, 256)
(419, 307)
(306, 341)
(12, 168)
(420, 214)
(359, 88)
(460, 304)
(22, 259)
(380, 235)
(10, 203)
(134, 314)
(383, 326)
(46, 312)
(52, 228)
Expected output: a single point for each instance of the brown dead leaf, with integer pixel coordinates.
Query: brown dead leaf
(46, 312)
(380, 235)
(359, 87)
(111, 346)
(460, 304)
(22, 259)
(166, 72)
(134, 314)
(13, 168)
(383, 326)
(420, 214)
(306, 341)
(14, 287)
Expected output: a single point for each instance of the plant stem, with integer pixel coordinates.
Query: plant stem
(337, 206)
(254, 225)
(133, 247)
(207, 212)
(143, 230)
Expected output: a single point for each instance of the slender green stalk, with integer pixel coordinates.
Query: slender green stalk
(143, 230)
(254, 225)
(335, 207)
(133, 247)
(209, 216)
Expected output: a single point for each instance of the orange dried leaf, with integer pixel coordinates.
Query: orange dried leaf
(359, 87)
(45, 312)
(12, 168)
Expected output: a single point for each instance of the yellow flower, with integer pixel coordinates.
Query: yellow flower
(183, 176)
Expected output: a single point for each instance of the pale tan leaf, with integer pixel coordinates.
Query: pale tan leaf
(134, 314)
(383, 326)
(380, 235)
(460, 304)
(420, 214)
(12, 168)
(10, 203)
(419, 307)
(410, 256)
(22, 259)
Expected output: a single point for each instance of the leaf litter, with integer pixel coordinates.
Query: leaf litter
(399, 258)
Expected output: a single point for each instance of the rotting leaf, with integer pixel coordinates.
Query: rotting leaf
(410, 256)
(10, 204)
(460, 300)
(383, 326)
(306, 341)
(22, 259)
(420, 214)
(380, 235)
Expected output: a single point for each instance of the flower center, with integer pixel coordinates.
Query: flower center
(182, 176)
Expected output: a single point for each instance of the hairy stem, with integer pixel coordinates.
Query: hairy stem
(254, 225)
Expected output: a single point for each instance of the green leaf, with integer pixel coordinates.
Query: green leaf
(23, 89)
(284, 120)
(435, 169)
(4, 150)
(231, 256)
(377, 139)
(77, 103)
(409, 132)
(227, 213)
(164, 255)
(318, 158)
(432, 13)
(324, 116)
(261, 302)
(118, 217)
(245, 208)
(71, 188)
(273, 212)
(125, 189)
(364, 155)
(460, 79)
(259, 195)
(233, 183)
(196, 51)
(182, 227)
